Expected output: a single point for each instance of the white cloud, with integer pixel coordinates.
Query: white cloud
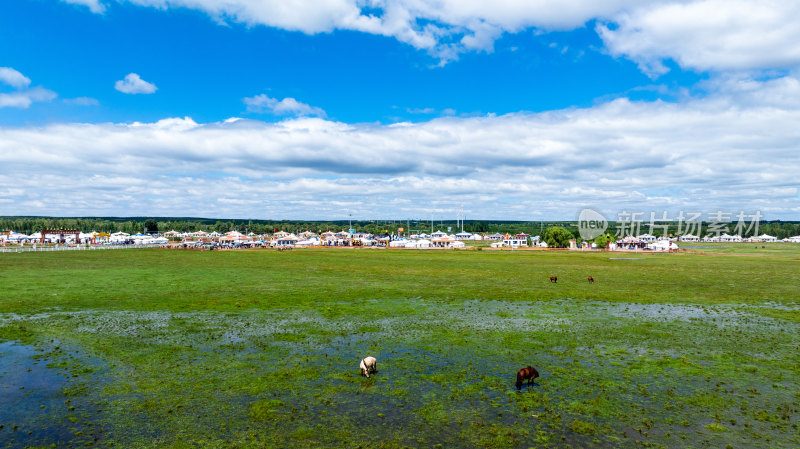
(698, 34)
(444, 28)
(82, 101)
(133, 84)
(430, 111)
(287, 106)
(705, 35)
(94, 5)
(23, 99)
(22, 96)
(13, 78)
(734, 149)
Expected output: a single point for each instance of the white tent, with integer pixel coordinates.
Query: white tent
(119, 237)
(235, 236)
(730, 238)
(289, 240)
(309, 242)
(419, 244)
(662, 245)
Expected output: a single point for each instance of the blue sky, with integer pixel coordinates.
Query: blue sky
(397, 109)
(203, 69)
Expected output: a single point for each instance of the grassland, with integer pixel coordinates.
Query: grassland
(156, 348)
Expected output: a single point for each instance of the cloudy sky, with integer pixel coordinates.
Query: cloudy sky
(313, 109)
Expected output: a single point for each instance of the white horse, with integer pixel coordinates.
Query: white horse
(368, 365)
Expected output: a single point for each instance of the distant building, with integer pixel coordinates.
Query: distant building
(515, 242)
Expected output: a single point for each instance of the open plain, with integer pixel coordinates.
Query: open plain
(159, 348)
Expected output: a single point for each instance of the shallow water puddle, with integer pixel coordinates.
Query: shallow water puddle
(446, 372)
(31, 403)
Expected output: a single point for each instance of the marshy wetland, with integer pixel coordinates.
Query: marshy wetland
(156, 348)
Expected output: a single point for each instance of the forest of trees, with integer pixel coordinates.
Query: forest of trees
(133, 225)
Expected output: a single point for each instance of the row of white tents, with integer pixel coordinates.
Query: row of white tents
(84, 237)
(436, 239)
(723, 237)
(282, 239)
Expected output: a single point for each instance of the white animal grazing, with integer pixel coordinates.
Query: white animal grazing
(368, 365)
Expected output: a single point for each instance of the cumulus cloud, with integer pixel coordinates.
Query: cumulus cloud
(734, 149)
(94, 6)
(13, 78)
(82, 101)
(287, 106)
(420, 110)
(23, 99)
(134, 84)
(697, 34)
(21, 96)
(430, 111)
(444, 28)
(708, 35)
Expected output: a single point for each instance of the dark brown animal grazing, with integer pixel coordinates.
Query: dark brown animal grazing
(528, 373)
(591, 280)
(553, 278)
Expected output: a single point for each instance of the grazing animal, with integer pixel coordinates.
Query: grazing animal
(591, 280)
(528, 373)
(368, 365)
(553, 278)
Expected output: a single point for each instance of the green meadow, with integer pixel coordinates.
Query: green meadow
(169, 348)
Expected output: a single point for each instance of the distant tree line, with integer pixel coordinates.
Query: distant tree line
(133, 225)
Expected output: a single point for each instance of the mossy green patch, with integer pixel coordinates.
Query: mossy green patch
(261, 349)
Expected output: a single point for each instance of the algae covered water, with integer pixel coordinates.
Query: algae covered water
(612, 375)
(39, 408)
(261, 349)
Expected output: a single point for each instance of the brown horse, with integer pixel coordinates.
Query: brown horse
(528, 373)
(553, 278)
(591, 280)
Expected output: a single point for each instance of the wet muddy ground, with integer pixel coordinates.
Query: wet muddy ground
(612, 375)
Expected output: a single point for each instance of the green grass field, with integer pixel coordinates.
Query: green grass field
(162, 348)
